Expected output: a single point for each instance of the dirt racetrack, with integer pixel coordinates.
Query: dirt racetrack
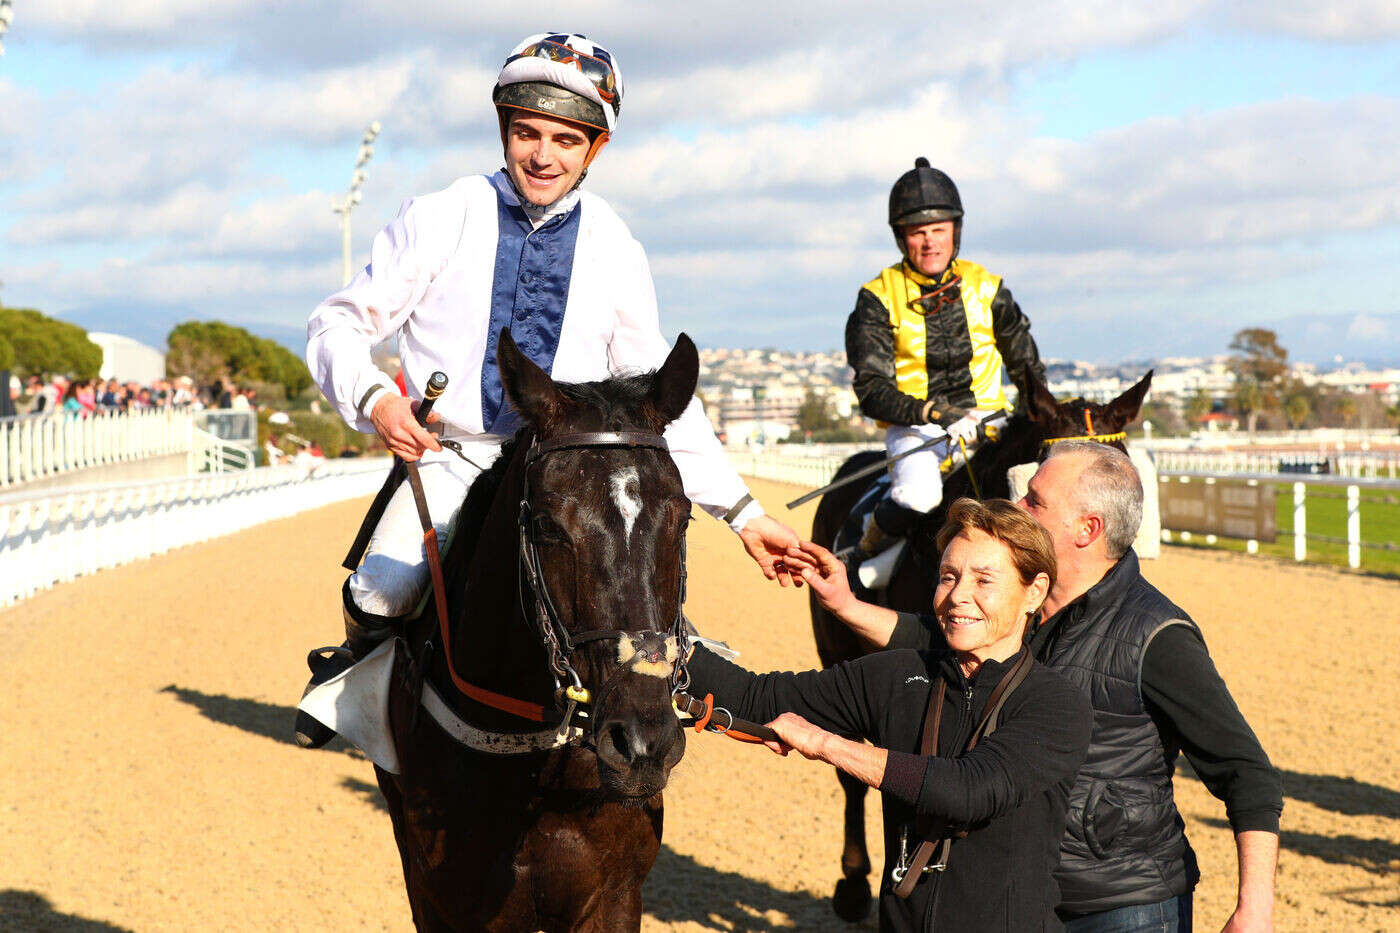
(150, 782)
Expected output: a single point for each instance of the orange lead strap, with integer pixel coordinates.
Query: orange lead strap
(1088, 422)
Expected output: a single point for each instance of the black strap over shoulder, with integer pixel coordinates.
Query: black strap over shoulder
(929, 748)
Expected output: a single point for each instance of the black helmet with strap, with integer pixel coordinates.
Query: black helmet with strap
(923, 195)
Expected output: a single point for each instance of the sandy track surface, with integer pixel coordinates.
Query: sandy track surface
(150, 782)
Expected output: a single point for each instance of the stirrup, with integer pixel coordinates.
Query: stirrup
(325, 663)
(875, 573)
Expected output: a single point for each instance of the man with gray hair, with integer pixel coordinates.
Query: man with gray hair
(1125, 864)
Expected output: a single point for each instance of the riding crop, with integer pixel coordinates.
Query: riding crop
(985, 429)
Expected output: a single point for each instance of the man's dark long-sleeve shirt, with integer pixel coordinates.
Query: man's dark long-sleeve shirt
(1188, 701)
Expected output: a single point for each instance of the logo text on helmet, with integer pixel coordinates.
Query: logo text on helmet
(544, 103)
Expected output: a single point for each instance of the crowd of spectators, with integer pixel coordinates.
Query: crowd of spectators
(82, 397)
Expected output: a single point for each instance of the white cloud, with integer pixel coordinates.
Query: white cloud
(753, 161)
(1347, 20)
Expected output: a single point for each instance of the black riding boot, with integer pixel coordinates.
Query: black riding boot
(363, 633)
(887, 524)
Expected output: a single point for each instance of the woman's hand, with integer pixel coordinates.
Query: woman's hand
(826, 575)
(864, 762)
(797, 733)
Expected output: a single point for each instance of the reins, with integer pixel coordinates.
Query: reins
(537, 607)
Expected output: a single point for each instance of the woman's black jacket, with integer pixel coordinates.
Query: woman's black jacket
(1009, 792)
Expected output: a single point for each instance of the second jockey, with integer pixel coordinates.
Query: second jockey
(523, 249)
(928, 340)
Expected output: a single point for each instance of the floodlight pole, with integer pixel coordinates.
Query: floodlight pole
(352, 197)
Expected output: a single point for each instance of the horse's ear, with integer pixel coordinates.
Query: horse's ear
(1121, 411)
(674, 385)
(1040, 403)
(534, 394)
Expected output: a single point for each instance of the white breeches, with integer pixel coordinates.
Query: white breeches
(917, 483)
(394, 572)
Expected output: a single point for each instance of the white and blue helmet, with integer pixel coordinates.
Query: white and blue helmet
(562, 75)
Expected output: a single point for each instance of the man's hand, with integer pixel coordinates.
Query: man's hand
(396, 426)
(800, 734)
(767, 540)
(1242, 921)
(825, 574)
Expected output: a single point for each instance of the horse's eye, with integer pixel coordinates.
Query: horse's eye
(548, 528)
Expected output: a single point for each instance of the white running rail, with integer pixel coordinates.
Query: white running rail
(1367, 465)
(36, 446)
(210, 453)
(50, 538)
(788, 468)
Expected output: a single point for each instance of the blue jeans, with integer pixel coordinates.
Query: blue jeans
(1170, 916)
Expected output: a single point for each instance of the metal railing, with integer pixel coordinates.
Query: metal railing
(48, 538)
(210, 453)
(38, 446)
(1365, 465)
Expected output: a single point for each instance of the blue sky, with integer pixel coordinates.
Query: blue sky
(1147, 178)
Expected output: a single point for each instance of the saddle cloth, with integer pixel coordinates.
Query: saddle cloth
(355, 704)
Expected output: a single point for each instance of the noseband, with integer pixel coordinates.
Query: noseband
(649, 645)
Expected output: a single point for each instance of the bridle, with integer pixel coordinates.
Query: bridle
(1088, 434)
(650, 646)
(667, 651)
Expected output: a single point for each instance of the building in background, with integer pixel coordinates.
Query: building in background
(129, 360)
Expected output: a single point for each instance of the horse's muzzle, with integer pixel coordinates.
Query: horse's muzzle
(636, 751)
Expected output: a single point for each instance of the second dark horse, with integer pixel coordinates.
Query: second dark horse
(559, 839)
(1023, 440)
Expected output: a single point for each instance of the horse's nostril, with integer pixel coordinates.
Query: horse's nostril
(621, 742)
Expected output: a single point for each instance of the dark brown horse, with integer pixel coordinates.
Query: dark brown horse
(1023, 440)
(567, 571)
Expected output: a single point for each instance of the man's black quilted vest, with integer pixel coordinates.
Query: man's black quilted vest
(1125, 843)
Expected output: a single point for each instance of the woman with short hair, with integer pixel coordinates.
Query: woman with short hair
(988, 798)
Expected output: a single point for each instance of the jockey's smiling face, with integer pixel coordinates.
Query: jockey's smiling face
(929, 247)
(544, 156)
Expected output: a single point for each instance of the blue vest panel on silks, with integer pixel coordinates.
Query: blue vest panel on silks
(529, 292)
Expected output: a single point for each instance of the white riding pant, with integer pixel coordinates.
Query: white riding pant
(916, 481)
(394, 572)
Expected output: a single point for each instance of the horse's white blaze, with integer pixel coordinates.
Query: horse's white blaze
(626, 492)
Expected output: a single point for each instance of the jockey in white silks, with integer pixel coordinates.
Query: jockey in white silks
(527, 250)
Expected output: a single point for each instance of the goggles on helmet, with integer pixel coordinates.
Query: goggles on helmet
(598, 70)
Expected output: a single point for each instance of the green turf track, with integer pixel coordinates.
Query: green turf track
(1327, 515)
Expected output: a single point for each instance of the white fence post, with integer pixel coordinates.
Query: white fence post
(1300, 522)
(1354, 527)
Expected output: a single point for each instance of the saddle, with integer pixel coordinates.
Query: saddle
(847, 543)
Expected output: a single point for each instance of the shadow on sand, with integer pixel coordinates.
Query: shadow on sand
(1377, 856)
(682, 890)
(268, 720)
(369, 791)
(26, 910)
(1344, 795)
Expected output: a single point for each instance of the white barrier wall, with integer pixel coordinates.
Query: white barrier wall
(35, 446)
(47, 539)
